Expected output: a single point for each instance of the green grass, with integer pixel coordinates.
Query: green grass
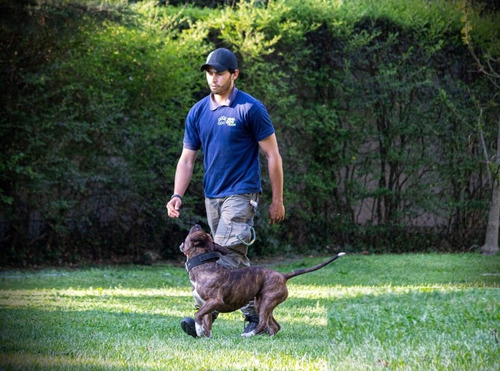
(401, 312)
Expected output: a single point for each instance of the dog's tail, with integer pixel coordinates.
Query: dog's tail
(312, 269)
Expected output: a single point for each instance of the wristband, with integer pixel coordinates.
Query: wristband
(176, 195)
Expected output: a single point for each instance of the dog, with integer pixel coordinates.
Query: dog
(216, 288)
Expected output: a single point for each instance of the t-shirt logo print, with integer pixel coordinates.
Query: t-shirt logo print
(229, 121)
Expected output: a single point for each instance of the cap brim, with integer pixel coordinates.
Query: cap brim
(218, 67)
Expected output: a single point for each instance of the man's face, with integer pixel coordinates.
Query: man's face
(220, 83)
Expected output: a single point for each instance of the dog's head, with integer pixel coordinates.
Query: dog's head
(199, 242)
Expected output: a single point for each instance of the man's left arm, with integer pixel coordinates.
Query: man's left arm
(270, 148)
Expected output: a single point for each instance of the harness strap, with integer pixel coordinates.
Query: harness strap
(202, 259)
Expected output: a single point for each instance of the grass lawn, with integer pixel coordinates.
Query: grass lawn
(401, 312)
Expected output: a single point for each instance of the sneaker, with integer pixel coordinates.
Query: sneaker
(188, 324)
(250, 324)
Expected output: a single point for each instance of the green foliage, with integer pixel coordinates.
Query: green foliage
(90, 160)
(371, 102)
(360, 122)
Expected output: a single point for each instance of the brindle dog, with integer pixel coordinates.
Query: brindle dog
(216, 288)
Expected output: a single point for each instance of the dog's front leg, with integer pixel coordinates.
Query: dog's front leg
(203, 324)
(203, 318)
(207, 325)
(198, 321)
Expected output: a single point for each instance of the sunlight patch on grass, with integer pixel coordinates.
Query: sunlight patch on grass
(103, 293)
(155, 301)
(55, 361)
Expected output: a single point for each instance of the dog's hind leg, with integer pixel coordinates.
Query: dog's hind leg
(269, 301)
(266, 306)
(264, 319)
(274, 326)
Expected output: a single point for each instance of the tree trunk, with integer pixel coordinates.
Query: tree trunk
(490, 246)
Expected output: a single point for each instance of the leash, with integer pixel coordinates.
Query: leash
(252, 230)
(202, 259)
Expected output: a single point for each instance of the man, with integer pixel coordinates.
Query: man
(230, 127)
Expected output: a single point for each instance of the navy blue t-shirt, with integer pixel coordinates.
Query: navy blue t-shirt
(229, 136)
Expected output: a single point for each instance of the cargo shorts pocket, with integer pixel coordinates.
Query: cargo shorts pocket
(230, 233)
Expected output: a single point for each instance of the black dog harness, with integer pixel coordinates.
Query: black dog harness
(202, 259)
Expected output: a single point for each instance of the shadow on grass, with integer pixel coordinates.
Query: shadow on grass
(451, 328)
(130, 277)
(401, 270)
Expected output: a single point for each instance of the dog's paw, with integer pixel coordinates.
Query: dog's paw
(200, 331)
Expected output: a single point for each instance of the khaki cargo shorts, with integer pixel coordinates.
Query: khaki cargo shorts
(231, 222)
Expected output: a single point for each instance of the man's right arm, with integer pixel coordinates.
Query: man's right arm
(183, 175)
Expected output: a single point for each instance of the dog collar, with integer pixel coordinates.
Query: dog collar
(202, 259)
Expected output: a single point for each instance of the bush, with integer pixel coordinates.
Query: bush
(370, 101)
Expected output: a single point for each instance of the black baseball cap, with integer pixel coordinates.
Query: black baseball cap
(221, 60)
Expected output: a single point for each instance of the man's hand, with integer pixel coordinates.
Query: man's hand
(173, 207)
(276, 213)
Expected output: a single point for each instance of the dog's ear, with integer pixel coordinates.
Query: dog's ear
(195, 228)
(221, 249)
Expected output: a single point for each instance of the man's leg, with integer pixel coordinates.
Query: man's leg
(231, 222)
